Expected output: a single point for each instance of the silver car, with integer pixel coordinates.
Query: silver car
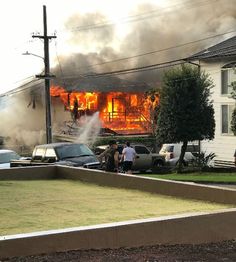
(6, 156)
(145, 159)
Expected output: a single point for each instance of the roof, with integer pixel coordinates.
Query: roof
(3, 151)
(101, 84)
(53, 145)
(223, 49)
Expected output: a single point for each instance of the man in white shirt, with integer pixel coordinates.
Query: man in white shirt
(128, 156)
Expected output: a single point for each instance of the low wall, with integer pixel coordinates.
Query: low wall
(180, 229)
(159, 186)
(28, 173)
(186, 228)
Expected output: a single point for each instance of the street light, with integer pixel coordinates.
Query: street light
(28, 53)
(39, 76)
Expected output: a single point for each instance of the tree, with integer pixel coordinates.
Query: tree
(233, 120)
(186, 111)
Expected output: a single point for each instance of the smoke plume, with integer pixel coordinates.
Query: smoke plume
(186, 21)
(168, 27)
(90, 128)
(22, 125)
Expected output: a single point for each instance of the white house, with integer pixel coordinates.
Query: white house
(219, 61)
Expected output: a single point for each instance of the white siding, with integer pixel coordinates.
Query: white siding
(223, 145)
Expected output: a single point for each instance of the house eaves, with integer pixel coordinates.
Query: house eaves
(225, 49)
(100, 84)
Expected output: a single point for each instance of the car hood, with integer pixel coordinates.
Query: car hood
(79, 161)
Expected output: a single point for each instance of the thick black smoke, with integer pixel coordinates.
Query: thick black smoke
(186, 22)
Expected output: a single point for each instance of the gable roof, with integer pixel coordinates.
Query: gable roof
(101, 84)
(226, 48)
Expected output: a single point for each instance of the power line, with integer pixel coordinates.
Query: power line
(143, 16)
(142, 68)
(139, 69)
(127, 71)
(213, 71)
(158, 51)
(22, 88)
(60, 67)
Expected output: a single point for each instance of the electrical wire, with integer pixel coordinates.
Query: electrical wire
(22, 88)
(213, 71)
(147, 15)
(138, 69)
(60, 67)
(144, 68)
(124, 71)
(159, 50)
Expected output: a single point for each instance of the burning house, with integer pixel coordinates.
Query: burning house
(124, 107)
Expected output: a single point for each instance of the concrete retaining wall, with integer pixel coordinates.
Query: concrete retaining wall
(28, 173)
(179, 229)
(159, 186)
(188, 228)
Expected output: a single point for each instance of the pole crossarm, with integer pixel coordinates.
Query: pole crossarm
(45, 76)
(41, 36)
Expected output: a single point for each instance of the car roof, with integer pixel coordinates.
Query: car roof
(59, 144)
(3, 151)
(121, 144)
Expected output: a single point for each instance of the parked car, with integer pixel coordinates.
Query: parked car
(68, 154)
(6, 156)
(145, 159)
(172, 152)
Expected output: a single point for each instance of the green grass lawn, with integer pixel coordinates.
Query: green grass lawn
(198, 177)
(27, 206)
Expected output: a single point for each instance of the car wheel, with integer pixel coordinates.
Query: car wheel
(158, 163)
(142, 171)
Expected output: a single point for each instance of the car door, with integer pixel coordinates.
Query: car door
(143, 159)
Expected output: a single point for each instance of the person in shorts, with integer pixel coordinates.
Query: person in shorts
(128, 157)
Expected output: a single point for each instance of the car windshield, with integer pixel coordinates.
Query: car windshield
(8, 156)
(73, 150)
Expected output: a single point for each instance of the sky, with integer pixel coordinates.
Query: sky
(176, 23)
(20, 19)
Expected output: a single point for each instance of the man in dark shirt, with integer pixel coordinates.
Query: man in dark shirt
(111, 155)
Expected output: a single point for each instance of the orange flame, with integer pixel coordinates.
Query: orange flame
(119, 111)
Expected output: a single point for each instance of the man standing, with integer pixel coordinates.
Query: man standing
(128, 156)
(111, 155)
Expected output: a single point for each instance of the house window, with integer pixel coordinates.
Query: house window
(226, 115)
(228, 75)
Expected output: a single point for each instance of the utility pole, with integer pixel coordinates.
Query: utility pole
(46, 75)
